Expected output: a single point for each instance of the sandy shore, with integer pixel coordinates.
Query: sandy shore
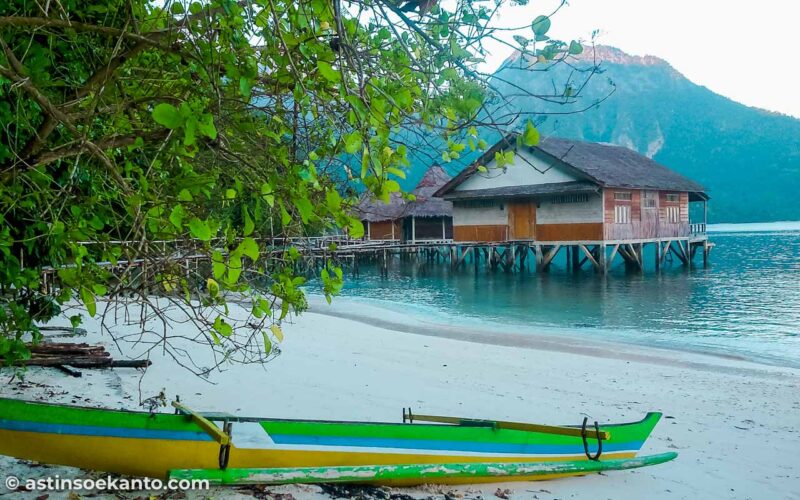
(735, 424)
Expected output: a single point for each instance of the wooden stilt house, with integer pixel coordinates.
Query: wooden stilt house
(571, 191)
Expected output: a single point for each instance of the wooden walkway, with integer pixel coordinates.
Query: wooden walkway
(539, 255)
(509, 256)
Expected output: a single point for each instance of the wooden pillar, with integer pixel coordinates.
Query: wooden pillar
(369, 230)
(641, 256)
(537, 250)
(601, 258)
(444, 230)
(658, 256)
(576, 265)
(706, 249)
(413, 229)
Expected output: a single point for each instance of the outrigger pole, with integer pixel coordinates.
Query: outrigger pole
(501, 424)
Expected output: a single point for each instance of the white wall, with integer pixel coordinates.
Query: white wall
(560, 213)
(480, 216)
(528, 169)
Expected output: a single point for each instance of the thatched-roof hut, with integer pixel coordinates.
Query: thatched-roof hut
(425, 218)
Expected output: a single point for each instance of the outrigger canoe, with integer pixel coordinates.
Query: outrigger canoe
(227, 449)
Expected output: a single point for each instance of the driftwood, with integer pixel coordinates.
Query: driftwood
(61, 355)
(68, 349)
(87, 362)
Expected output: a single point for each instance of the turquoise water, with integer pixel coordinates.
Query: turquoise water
(747, 303)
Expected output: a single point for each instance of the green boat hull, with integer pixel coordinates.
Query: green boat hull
(388, 474)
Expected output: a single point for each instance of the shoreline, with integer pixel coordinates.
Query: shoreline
(727, 419)
(566, 340)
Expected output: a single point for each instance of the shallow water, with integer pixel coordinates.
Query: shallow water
(747, 303)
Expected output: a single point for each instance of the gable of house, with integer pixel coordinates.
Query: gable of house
(529, 168)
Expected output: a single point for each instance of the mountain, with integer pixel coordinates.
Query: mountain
(747, 158)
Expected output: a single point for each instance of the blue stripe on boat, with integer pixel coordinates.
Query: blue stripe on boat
(88, 430)
(427, 444)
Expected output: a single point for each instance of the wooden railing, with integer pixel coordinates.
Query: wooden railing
(697, 228)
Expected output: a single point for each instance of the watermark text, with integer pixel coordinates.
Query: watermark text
(108, 483)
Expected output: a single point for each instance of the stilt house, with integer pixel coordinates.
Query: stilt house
(571, 191)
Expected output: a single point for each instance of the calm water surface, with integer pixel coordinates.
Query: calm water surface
(746, 303)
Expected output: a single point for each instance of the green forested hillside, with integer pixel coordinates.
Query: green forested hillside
(748, 159)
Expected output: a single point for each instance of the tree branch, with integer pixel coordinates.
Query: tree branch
(76, 147)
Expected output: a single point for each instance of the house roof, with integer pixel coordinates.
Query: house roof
(425, 204)
(605, 165)
(527, 190)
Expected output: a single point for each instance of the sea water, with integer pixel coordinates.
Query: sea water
(746, 303)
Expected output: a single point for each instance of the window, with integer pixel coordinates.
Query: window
(649, 203)
(674, 214)
(477, 204)
(675, 198)
(569, 198)
(622, 195)
(622, 214)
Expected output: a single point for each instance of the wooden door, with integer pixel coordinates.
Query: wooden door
(649, 217)
(522, 220)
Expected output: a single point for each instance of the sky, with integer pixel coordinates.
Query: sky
(741, 49)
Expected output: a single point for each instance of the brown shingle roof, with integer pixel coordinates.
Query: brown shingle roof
(616, 166)
(604, 164)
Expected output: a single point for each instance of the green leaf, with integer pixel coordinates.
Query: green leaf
(267, 342)
(230, 194)
(575, 48)
(206, 126)
(213, 287)
(222, 327)
(305, 208)
(248, 247)
(352, 142)
(89, 301)
(244, 87)
(234, 268)
(355, 228)
(285, 217)
(200, 229)
(218, 264)
(249, 226)
(327, 72)
(167, 115)
(267, 194)
(333, 200)
(531, 136)
(276, 330)
(185, 195)
(176, 216)
(540, 25)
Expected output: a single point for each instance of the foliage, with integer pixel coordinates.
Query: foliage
(137, 133)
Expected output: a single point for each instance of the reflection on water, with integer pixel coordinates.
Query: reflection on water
(746, 303)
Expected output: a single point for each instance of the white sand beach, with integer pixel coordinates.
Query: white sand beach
(734, 423)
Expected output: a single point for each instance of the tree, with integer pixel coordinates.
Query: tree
(135, 134)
